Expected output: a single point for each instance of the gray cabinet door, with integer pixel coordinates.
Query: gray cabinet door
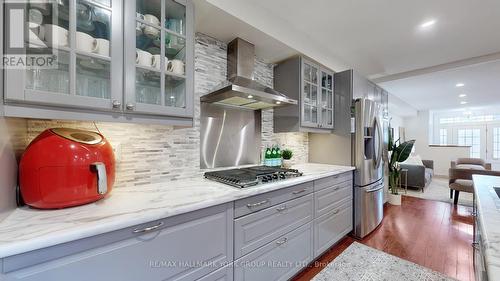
(159, 57)
(257, 229)
(343, 87)
(327, 105)
(310, 99)
(331, 227)
(88, 67)
(185, 251)
(279, 260)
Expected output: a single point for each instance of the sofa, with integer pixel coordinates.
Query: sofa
(420, 173)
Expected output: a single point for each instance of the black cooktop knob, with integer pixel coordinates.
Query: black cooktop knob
(275, 176)
(282, 176)
(269, 177)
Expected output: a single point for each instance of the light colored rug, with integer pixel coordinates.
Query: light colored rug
(438, 190)
(362, 263)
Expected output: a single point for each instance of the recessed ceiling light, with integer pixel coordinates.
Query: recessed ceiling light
(428, 24)
(463, 102)
(278, 102)
(250, 96)
(459, 85)
(462, 95)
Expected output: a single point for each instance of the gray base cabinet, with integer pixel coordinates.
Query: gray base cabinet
(270, 236)
(331, 227)
(278, 260)
(156, 251)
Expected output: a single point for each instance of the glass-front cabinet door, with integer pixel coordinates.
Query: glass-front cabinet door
(159, 57)
(310, 96)
(84, 39)
(326, 103)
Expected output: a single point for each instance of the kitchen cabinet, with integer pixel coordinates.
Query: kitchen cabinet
(477, 245)
(278, 260)
(331, 227)
(185, 247)
(258, 229)
(313, 86)
(159, 57)
(92, 44)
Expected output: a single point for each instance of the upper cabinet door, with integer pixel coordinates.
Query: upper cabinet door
(327, 99)
(85, 38)
(159, 57)
(310, 94)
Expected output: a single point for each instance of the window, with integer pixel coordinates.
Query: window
(472, 138)
(468, 119)
(443, 136)
(496, 143)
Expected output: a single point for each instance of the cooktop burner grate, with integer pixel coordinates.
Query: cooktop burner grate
(251, 176)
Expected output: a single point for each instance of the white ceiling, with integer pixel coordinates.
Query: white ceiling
(216, 23)
(382, 38)
(437, 90)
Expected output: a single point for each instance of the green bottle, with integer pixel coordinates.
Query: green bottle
(267, 157)
(274, 156)
(279, 156)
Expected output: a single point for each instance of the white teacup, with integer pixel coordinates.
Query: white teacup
(176, 66)
(85, 42)
(55, 35)
(101, 47)
(156, 62)
(143, 58)
(151, 19)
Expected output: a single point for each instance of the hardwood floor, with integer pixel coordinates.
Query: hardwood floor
(433, 234)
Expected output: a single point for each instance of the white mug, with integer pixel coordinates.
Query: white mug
(176, 66)
(55, 35)
(151, 32)
(143, 58)
(101, 47)
(156, 62)
(151, 19)
(85, 42)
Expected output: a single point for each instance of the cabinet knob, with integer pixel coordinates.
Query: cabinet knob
(130, 106)
(116, 104)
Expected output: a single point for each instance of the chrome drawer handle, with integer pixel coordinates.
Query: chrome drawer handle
(336, 211)
(258, 203)
(148, 229)
(299, 191)
(282, 241)
(282, 208)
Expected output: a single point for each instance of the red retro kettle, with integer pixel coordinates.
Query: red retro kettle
(65, 167)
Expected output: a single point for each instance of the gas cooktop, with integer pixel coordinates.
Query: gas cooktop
(251, 176)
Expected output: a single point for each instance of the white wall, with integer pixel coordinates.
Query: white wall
(419, 128)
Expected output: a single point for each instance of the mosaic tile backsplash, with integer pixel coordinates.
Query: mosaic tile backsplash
(155, 153)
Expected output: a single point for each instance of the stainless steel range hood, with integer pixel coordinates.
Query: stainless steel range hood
(241, 89)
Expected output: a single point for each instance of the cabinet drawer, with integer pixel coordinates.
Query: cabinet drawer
(255, 203)
(166, 253)
(222, 274)
(279, 260)
(331, 197)
(331, 227)
(257, 229)
(332, 180)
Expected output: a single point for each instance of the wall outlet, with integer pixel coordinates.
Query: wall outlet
(117, 149)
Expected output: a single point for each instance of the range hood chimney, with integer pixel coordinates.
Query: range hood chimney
(241, 89)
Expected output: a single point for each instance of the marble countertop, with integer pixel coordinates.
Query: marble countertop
(488, 205)
(27, 229)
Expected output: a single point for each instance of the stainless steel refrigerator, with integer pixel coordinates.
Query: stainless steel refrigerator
(367, 157)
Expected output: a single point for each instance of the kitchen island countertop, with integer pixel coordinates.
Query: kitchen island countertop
(488, 207)
(27, 229)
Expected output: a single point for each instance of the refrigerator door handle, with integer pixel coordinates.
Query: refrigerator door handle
(380, 141)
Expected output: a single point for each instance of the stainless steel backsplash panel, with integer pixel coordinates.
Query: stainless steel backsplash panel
(229, 136)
